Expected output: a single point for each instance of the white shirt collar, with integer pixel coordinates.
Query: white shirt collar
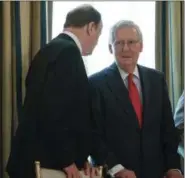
(124, 74)
(75, 38)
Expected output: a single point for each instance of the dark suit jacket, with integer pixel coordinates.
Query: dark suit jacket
(55, 125)
(149, 151)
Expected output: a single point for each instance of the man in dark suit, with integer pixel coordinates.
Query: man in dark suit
(55, 127)
(133, 111)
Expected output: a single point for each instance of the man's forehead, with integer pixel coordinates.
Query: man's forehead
(127, 32)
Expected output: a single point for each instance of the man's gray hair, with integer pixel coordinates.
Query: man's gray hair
(123, 24)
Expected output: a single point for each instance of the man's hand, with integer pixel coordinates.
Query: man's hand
(125, 173)
(173, 174)
(72, 171)
(91, 171)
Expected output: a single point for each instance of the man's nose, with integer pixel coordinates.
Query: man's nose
(125, 47)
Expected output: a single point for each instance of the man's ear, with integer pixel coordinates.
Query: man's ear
(90, 27)
(110, 49)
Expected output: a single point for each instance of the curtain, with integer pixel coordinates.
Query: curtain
(23, 31)
(170, 45)
(49, 19)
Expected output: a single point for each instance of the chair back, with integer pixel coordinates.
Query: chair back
(51, 173)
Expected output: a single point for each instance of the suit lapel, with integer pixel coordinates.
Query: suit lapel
(119, 90)
(145, 86)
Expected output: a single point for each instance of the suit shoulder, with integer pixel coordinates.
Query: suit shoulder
(98, 77)
(153, 72)
(59, 45)
(57, 48)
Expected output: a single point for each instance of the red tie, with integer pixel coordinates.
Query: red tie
(135, 98)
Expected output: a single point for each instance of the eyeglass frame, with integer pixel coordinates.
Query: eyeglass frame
(123, 43)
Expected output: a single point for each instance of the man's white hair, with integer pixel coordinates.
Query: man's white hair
(122, 24)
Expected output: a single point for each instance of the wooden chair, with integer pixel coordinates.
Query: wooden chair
(51, 173)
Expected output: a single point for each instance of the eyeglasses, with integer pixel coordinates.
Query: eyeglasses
(130, 43)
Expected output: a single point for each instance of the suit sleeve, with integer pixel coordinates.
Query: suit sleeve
(170, 136)
(100, 152)
(62, 95)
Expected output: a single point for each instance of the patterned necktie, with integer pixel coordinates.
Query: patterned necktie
(135, 98)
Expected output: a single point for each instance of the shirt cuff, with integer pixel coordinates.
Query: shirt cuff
(115, 170)
(175, 170)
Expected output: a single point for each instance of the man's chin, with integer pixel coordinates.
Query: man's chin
(127, 60)
(86, 53)
(127, 63)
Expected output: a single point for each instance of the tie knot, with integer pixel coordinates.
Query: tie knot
(130, 77)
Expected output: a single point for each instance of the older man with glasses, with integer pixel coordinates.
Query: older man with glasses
(133, 111)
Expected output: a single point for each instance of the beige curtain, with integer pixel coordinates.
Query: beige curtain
(170, 45)
(23, 31)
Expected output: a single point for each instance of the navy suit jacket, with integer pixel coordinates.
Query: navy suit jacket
(149, 151)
